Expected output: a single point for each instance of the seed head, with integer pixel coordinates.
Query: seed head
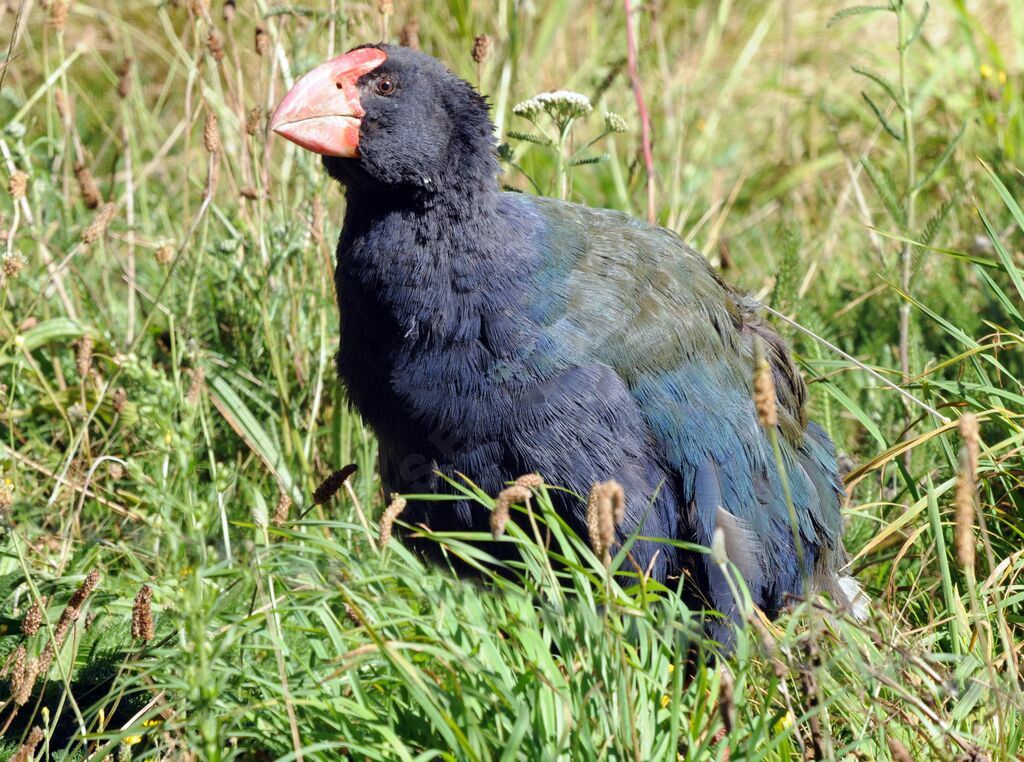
(83, 355)
(262, 40)
(67, 618)
(387, 521)
(165, 254)
(725, 699)
(211, 137)
(250, 192)
(329, 487)
(517, 493)
(560, 104)
(11, 265)
(142, 615)
(120, 400)
(284, 504)
(764, 390)
(481, 48)
(60, 100)
(898, 750)
(6, 495)
(606, 507)
(33, 617)
(215, 44)
(59, 14)
(124, 78)
(254, 120)
(27, 751)
(17, 185)
(21, 671)
(409, 36)
(98, 227)
(969, 433)
(963, 519)
(87, 186)
(532, 481)
(385, 7)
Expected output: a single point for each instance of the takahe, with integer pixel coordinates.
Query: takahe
(494, 334)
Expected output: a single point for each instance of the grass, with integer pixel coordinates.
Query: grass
(169, 404)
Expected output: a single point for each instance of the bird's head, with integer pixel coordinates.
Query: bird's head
(391, 118)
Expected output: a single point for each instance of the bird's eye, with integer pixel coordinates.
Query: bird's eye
(386, 85)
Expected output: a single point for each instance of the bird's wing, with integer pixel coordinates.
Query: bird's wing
(615, 291)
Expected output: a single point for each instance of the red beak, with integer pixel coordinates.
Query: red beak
(321, 112)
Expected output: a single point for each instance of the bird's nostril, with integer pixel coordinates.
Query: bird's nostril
(338, 85)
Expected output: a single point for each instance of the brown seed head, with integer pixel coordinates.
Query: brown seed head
(385, 7)
(605, 508)
(11, 265)
(262, 40)
(120, 400)
(409, 36)
(83, 355)
(250, 192)
(27, 751)
(33, 617)
(964, 506)
(165, 254)
(764, 390)
(87, 186)
(972, 439)
(142, 615)
(199, 8)
(211, 137)
(254, 120)
(197, 380)
(329, 487)
(387, 521)
(726, 707)
(284, 504)
(67, 618)
(60, 100)
(59, 14)
(215, 44)
(531, 481)
(509, 496)
(124, 78)
(17, 186)
(98, 227)
(482, 48)
(6, 496)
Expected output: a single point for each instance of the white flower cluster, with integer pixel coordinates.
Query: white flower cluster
(615, 123)
(560, 104)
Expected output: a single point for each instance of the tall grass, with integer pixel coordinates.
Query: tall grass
(169, 404)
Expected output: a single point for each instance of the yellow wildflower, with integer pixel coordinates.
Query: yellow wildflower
(986, 71)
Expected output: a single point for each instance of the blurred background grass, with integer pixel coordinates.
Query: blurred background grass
(169, 403)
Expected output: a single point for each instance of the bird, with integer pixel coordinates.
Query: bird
(492, 333)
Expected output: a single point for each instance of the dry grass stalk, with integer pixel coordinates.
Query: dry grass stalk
(211, 137)
(33, 617)
(517, 493)
(765, 401)
(409, 36)
(98, 227)
(228, 14)
(284, 504)
(27, 751)
(329, 487)
(262, 40)
(17, 186)
(87, 186)
(83, 356)
(606, 507)
(67, 618)
(387, 521)
(124, 78)
(60, 100)
(385, 7)
(142, 615)
(898, 750)
(317, 228)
